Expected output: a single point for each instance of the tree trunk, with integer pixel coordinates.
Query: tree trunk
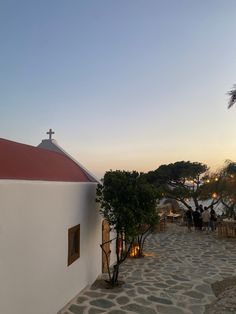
(114, 279)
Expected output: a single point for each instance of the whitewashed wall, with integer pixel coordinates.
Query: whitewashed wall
(34, 222)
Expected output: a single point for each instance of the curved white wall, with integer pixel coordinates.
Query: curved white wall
(34, 222)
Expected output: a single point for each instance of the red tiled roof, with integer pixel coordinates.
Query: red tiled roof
(25, 162)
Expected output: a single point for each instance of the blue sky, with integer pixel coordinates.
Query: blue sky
(125, 84)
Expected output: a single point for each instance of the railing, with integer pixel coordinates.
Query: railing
(227, 228)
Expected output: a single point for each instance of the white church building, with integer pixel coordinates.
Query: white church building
(50, 228)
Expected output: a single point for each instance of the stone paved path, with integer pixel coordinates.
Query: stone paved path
(174, 278)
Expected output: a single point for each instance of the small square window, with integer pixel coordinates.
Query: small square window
(73, 244)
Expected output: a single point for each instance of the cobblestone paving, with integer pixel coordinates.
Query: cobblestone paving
(174, 277)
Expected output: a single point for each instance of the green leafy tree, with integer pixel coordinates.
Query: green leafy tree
(211, 188)
(145, 212)
(221, 187)
(181, 181)
(227, 188)
(127, 202)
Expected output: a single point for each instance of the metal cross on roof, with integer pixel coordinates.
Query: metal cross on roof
(50, 133)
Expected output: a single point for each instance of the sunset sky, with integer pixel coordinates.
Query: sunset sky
(125, 84)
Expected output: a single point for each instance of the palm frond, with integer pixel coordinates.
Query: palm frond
(232, 98)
